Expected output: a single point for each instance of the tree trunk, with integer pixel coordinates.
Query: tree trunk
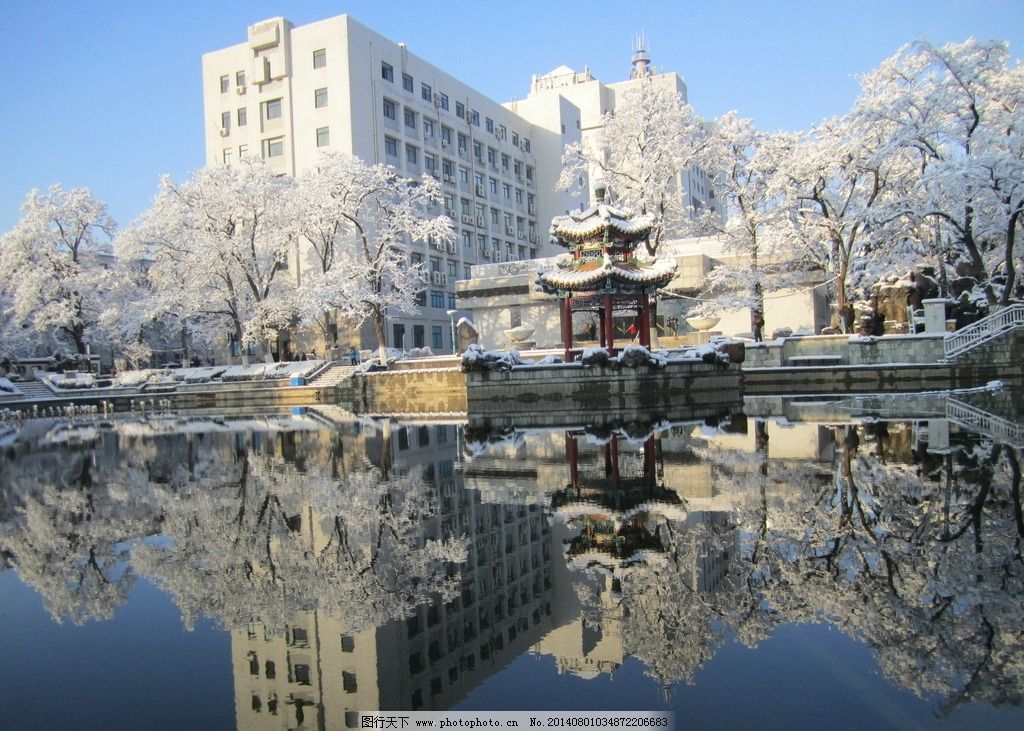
(378, 327)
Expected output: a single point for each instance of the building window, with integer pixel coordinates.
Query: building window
(488, 124)
(391, 147)
(443, 101)
(430, 163)
(389, 109)
(436, 337)
(243, 116)
(426, 92)
(410, 118)
(411, 155)
(225, 120)
(436, 299)
(386, 72)
(243, 152)
(272, 109)
(428, 128)
(451, 300)
(348, 681)
(273, 147)
(407, 82)
(225, 84)
(474, 117)
(320, 98)
(460, 110)
(348, 643)
(515, 139)
(446, 135)
(227, 156)
(319, 58)
(526, 144)
(323, 136)
(239, 78)
(301, 674)
(502, 132)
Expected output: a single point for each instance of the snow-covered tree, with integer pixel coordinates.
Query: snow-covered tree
(746, 164)
(218, 245)
(53, 264)
(844, 178)
(641, 151)
(359, 219)
(960, 109)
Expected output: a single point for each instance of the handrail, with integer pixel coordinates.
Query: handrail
(979, 420)
(984, 330)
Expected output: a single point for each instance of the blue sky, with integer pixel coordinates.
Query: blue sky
(107, 93)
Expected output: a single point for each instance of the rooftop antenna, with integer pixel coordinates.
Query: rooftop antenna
(640, 58)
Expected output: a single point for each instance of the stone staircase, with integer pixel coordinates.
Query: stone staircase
(332, 375)
(985, 330)
(34, 390)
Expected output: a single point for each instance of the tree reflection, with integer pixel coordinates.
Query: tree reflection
(248, 526)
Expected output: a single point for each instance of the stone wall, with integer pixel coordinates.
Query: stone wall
(574, 393)
(420, 391)
(846, 349)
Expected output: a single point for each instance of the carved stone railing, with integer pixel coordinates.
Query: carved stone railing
(984, 330)
(975, 419)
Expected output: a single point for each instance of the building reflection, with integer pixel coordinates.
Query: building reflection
(318, 671)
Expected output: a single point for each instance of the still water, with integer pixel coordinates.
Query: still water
(780, 568)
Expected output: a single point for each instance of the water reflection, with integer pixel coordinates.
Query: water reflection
(365, 565)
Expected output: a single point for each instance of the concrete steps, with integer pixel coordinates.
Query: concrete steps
(34, 390)
(333, 375)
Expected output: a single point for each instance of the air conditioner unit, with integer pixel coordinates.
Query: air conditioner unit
(533, 238)
(225, 131)
(451, 247)
(435, 277)
(521, 235)
(480, 221)
(240, 90)
(448, 179)
(442, 279)
(445, 143)
(509, 230)
(434, 174)
(487, 253)
(480, 191)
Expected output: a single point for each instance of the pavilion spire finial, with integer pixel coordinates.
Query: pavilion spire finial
(641, 60)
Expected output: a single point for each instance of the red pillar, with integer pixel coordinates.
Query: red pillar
(608, 325)
(572, 454)
(614, 450)
(645, 320)
(567, 328)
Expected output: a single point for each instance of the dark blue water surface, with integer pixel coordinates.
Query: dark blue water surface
(806, 567)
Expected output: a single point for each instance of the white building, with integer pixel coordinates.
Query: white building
(593, 99)
(289, 92)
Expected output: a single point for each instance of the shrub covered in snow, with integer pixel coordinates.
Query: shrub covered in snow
(475, 358)
(71, 380)
(7, 387)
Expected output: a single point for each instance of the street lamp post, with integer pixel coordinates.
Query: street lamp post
(451, 317)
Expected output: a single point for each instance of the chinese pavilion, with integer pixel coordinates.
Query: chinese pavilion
(606, 269)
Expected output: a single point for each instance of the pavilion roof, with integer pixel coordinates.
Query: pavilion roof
(589, 274)
(598, 223)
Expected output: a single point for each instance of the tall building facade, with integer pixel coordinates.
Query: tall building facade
(592, 99)
(290, 92)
